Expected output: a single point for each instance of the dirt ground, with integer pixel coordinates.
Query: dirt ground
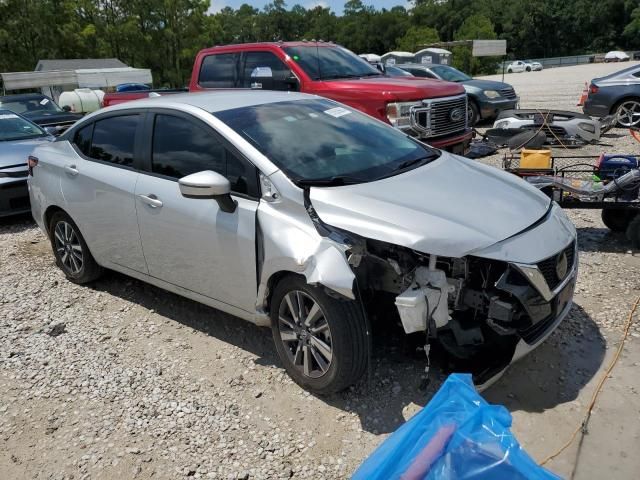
(122, 379)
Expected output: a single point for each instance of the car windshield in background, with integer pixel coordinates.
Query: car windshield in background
(31, 105)
(330, 63)
(12, 127)
(317, 142)
(450, 74)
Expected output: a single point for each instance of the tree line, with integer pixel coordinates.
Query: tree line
(165, 35)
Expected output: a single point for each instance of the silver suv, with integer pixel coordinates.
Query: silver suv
(302, 214)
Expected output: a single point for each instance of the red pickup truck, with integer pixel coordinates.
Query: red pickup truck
(432, 110)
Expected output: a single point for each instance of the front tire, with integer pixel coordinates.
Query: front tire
(509, 70)
(474, 114)
(528, 69)
(70, 250)
(321, 340)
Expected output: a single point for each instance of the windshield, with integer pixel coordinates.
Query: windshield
(330, 63)
(31, 105)
(13, 127)
(450, 74)
(396, 72)
(318, 141)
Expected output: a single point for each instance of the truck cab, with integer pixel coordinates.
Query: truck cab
(431, 110)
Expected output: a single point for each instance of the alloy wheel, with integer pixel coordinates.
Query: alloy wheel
(305, 333)
(68, 247)
(629, 113)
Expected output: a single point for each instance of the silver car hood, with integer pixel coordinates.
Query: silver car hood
(13, 152)
(451, 207)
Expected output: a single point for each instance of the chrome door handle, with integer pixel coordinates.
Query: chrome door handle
(71, 170)
(151, 200)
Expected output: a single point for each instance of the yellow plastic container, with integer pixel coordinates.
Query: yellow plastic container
(535, 158)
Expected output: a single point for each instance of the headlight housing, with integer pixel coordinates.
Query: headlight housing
(589, 127)
(398, 113)
(491, 93)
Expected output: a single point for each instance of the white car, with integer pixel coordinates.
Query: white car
(296, 212)
(524, 66)
(616, 56)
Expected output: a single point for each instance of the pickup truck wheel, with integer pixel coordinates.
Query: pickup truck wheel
(321, 340)
(617, 219)
(70, 250)
(633, 231)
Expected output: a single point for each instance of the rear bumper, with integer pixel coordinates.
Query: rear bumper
(14, 197)
(595, 108)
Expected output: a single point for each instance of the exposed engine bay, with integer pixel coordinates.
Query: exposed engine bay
(476, 309)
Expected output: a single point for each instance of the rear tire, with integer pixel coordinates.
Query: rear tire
(617, 219)
(528, 69)
(633, 231)
(509, 70)
(71, 251)
(627, 112)
(323, 345)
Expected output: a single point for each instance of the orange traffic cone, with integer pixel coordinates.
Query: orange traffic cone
(584, 95)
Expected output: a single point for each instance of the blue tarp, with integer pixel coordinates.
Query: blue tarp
(458, 435)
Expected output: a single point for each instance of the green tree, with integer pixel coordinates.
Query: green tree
(476, 27)
(416, 38)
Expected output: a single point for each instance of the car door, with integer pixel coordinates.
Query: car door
(98, 183)
(191, 242)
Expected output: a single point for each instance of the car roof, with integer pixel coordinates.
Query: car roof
(217, 101)
(20, 96)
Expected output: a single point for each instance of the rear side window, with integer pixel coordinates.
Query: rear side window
(219, 71)
(181, 147)
(82, 139)
(114, 139)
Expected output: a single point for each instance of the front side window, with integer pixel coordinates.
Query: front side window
(319, 141)
(330, 63)
(14, 127)
(181, 147)
(114, 139)
(219, 71)
(420, 72)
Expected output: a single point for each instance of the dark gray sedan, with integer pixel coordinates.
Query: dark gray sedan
(18, 137)
(618, 94)
(486, 97)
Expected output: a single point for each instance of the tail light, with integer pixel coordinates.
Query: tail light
(32, 162)
(593, 89)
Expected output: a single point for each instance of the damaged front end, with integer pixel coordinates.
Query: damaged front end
(477, 309)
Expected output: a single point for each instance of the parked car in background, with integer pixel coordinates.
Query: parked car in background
(431, 111)
(618, 94)
(41, 110)
(616, 56)
(487, 98)
(519, 66)
(297, 212)
(18, 137)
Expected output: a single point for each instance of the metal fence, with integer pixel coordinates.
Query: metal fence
(566, 61)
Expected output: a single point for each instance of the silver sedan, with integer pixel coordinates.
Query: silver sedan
(302, 214)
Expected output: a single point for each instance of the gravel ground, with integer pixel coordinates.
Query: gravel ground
(121, 379)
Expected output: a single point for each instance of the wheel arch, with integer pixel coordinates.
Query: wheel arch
(48, 215)
(623, 99)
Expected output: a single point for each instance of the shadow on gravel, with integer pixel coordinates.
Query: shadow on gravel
(601, 239)
(16, 223)
(553, 374)
(189, 313)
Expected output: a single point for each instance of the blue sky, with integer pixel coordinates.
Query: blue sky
(335, 5)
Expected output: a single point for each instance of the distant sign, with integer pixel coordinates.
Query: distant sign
(489, 48)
